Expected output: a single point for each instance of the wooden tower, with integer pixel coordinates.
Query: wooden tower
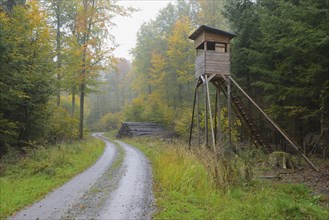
(212, 66)
(213, 51)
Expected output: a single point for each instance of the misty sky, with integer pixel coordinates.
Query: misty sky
(127, 27)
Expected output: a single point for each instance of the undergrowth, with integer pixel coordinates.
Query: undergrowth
(111, 134)
(194, 184)
(26, 179)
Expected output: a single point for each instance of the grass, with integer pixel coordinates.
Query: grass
(185, 188)
(27, 179)
(111, 134)
(103, 187)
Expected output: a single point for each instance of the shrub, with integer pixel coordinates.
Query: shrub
(110, 121)
(61, 126)
(183, 121)
(134, 111)
(152, 111)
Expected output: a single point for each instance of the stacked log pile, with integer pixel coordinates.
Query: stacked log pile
(134, 129)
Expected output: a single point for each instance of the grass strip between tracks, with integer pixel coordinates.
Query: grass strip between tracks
(184, 189)
(24, 180)
(101, 189)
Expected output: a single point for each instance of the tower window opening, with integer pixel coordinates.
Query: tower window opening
(220, 47)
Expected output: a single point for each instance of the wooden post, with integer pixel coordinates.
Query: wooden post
(192, 120)
(215, 112)
(210, 114)
(206, 100)
(229, 112)
(198, 116)
(206, 115)
(219, 135)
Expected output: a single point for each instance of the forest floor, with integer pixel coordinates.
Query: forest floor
(187, 186)
(317, 181)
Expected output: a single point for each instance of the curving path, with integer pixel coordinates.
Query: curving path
(117, 186)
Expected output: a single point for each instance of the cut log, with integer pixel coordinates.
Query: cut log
(134, 129)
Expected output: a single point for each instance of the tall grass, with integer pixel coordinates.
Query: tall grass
(179, 170)
(25, 179)
(195, 184)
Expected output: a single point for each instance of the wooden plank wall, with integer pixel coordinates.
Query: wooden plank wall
(212, 62)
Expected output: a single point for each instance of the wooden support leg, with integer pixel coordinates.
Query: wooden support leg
(192, 120)
(210, 114)
(229, 112)
(206, 115)
(219, 135)
(216, 117)
(198, 116)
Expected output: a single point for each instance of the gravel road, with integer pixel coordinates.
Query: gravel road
(117, 186)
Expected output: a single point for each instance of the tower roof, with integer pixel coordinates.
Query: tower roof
(208, 29)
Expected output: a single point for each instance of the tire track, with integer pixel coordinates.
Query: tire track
(117, 186)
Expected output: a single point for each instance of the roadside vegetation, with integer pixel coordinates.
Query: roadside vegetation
(190, 184)
(27, 178)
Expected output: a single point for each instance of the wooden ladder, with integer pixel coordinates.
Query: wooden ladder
(245, 117)
(248, 121)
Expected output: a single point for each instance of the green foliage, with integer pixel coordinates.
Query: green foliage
(235, 125)
(183, 122)
(8, 131)
(41, 56)
(157, 112)
(111, 134)
(151, 111)
(61, 125)
(134, 111)
(26, 179)
(163, 68)
(163, 65)
(281, 53)
(110, 121)
(26, 76)
(186, 189)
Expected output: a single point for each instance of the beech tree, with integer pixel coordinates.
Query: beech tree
(61, 14)
(180, 55)
(92, 24)
(163, 66)
(26, 76)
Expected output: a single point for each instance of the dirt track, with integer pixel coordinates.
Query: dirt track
(117, 186)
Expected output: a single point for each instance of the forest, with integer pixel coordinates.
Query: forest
(60, 79)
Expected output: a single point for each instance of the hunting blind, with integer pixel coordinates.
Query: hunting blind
(212, 66)
(212, 51)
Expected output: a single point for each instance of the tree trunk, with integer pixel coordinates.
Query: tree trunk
(82, 98)
(180, 97)
(84, 64)
(82, 91)
(58, 51)
(73, 102)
